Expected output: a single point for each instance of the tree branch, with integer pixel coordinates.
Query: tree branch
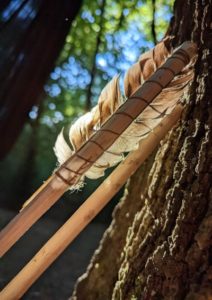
(88, 103)
(153, 30)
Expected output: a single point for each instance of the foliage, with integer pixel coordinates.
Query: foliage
(125, 34)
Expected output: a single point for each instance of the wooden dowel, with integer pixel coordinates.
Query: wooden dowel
(43, 199)
(87, 211)
(83, 159)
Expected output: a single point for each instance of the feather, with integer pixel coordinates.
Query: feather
(62, 149)
(109, 101)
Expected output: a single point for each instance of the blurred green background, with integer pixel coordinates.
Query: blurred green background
(106, 37)
(55, 58)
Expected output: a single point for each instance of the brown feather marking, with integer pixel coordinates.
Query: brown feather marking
(110, 99)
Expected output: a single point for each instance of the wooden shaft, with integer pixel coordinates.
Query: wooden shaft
(83, 159)
(87, 211)
(89, 152)
(43, 199)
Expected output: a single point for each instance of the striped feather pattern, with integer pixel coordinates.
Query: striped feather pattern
(110, 99)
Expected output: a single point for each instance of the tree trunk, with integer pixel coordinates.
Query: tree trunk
(32, 34)
(160, 241)
(88, 102)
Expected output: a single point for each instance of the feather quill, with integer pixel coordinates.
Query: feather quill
(110, 99)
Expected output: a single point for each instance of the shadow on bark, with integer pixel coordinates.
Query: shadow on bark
(159, 243)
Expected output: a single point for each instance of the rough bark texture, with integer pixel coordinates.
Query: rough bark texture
(159, 245)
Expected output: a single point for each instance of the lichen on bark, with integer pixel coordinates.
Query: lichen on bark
(159, 245)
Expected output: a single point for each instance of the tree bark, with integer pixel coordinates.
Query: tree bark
(32, 33)
(160, 241)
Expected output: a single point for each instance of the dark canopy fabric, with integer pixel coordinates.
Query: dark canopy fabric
(32, 33)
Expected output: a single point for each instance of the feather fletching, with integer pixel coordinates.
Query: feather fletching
(110, 99)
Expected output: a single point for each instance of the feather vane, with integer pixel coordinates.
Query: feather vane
(109, 101)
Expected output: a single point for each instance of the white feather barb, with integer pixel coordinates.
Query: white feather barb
(109, 101)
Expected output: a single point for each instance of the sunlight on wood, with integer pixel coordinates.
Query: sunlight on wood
(70, 172)
(87, 211)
